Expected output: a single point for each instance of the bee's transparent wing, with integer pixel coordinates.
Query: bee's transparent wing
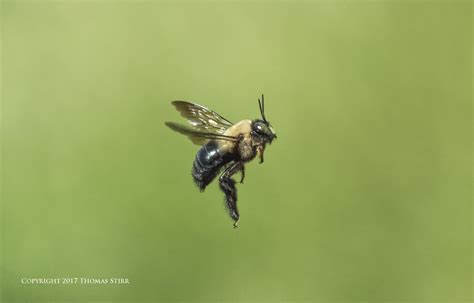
(203, 119)
(196, 136)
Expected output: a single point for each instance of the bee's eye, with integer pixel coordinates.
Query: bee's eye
(260, 128)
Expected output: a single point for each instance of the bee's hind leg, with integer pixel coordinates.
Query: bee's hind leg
(227, 185)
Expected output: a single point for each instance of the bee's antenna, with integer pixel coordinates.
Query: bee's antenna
(261, 104)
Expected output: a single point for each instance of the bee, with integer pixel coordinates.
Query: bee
(225, 146)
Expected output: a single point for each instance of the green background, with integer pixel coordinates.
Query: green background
(364, 197)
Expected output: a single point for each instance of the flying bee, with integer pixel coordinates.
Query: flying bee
(225, 146)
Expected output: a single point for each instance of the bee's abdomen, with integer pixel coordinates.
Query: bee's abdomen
(207, 164)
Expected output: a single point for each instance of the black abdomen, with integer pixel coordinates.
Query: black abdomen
(207, 164)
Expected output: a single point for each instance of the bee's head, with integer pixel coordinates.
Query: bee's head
(261, 128)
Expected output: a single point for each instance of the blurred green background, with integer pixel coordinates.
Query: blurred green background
(364, 197)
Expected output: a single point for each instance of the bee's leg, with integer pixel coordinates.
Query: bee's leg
(260, 150)
(227, 185)
(242, 170)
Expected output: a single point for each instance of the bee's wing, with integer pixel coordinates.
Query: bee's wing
(203, 119)
(196, 136)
